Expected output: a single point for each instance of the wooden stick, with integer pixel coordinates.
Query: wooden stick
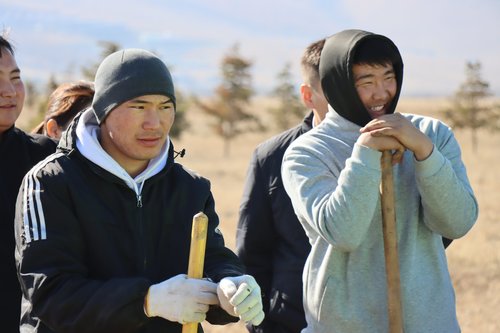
(390, 245)
(197, 256)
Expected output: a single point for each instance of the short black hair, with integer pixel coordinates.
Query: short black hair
(375, 51)
(4, 44)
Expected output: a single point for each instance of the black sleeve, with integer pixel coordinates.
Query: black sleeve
(220, 262)
(41, 147)
(255, 235)
(50, 255)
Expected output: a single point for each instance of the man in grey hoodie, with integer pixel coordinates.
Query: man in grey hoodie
(332, 175)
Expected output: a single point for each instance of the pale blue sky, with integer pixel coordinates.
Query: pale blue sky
(435, 37)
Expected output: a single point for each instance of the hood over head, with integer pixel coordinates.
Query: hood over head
(337, 81)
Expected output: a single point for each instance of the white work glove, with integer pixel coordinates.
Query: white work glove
(181, 299)
(240, 297)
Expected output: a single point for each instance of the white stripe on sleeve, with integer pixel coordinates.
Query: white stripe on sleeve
(33, 217)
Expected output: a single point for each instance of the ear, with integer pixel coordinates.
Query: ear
(306, 95)
(53, 129)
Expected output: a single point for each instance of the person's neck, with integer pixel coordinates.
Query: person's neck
(317, 119)
(136, 170)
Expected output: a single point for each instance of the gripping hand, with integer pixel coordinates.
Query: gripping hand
(181, 299)
(240, 297)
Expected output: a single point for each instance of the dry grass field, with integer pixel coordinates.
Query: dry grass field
(474, 261)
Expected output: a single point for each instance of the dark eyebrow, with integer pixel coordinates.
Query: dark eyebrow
(387, 72)
(366, 76)
(141, 101)
(14, 71)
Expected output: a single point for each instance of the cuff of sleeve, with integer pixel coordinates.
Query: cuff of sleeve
(146, 304)
(366, 156)
(431, 165)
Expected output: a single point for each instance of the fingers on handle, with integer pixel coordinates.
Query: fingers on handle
(241, 294)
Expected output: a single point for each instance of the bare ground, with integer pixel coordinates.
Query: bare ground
(474, 260)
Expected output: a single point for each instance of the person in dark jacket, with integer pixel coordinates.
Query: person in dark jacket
(103, 226)
(19, 151)
(270, 240)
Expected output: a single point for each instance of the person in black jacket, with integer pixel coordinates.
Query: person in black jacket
(103, 226)
(270, 240)
(19, 151)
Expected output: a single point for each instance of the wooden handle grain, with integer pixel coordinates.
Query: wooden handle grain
(390, 245)
(197, 257)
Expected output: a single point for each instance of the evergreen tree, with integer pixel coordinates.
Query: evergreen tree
(232, 99)
(41, 100)
(469, 109)
(31, 93)
(107, 47)
(290, 108)
(180, 123)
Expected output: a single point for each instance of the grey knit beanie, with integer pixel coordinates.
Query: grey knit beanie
(127, 74)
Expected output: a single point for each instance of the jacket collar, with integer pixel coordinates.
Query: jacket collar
(83, 135)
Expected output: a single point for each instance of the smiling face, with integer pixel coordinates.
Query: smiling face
(11, 90)
(376, 86)
(135, 131)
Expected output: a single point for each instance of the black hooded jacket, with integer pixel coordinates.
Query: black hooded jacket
(89, 255)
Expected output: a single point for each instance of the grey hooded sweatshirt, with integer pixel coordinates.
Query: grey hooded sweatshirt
(333, 183)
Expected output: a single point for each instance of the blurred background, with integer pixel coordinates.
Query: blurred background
(57, 38)
(451, 51)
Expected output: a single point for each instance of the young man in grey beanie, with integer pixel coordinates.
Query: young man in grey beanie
(103, 226)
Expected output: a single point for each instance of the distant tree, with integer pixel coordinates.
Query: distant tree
(31, 103)
(468, 108)
(32, 93)
(290, 108)
(107, 47)
(232, 99)
(180, 123)
(51, 85)
(40, 101)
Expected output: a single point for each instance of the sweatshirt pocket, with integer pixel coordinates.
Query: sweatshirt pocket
(332, 301)
(326, 305)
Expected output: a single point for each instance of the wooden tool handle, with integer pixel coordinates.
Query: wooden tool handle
(197, 256)
(390, 245)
